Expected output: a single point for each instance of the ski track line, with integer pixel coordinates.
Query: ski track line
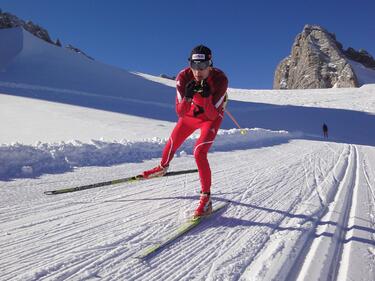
(262, 234)
(129, 240)
(269, 257)
(103, 242)
(67, 249)
(188, 257)
(371, 189)
(157, 228)
(320, 180)
(327, 191)
(291, 207)
(74, 249)
(234, 240)
(65, 215)
(323, 258)
(356, 261)
(163, 258)
(76, 228)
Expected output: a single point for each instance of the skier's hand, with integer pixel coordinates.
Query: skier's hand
(190, 89)
(205, 89)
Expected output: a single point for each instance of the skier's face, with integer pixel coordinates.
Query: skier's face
(201, 74)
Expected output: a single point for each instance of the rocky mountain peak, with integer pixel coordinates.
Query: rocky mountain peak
(317, 60)
(8, 20)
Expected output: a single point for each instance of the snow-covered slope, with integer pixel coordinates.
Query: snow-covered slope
(365, 75)
(302, 207)
(33, 68)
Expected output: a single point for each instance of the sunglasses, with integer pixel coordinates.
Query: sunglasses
(200, 65)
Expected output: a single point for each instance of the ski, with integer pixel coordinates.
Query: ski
(180, 231)
(112, 182)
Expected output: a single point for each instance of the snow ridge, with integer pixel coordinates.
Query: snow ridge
(19, 160)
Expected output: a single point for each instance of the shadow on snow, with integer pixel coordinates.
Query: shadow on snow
(156, 101)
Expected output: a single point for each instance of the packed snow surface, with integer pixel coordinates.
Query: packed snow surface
(302, 206)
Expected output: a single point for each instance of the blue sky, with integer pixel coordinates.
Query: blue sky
(248, 38)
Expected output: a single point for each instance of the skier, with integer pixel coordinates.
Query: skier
(325, 130)
(200, 102)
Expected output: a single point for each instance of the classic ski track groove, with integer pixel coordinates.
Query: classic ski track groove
(263, 255)
(207, 241)
(304, 267)
(268, 197)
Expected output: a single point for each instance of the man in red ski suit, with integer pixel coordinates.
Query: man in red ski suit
(200, 101)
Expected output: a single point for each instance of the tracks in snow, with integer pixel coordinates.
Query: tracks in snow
(322, 261)
(328, 243)
(288, 211)
(342, 237)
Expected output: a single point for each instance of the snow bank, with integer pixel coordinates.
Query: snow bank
(19, 160)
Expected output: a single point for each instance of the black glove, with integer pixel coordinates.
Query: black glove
(190, 89)
(205, 89)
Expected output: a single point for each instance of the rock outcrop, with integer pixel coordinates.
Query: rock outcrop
(70, 47)
(361, 56)
(167, 76)
(317, 60)
(8, 20)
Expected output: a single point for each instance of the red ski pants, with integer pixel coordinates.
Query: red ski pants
(184, 128)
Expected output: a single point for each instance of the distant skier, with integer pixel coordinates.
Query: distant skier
(325, 130)
(200, 101)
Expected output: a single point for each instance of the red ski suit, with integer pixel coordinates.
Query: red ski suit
(204, 113)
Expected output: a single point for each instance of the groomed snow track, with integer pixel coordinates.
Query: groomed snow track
(322, 260)
(340, 236)
(300, 211)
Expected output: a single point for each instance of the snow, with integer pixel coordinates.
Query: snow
(365, 75)
(22, 160)
(303, 207)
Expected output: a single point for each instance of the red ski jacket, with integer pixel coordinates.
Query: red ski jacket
(213, 105)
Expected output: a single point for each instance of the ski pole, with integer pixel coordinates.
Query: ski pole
(243, 131)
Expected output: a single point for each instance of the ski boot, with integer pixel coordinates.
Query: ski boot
(204, 207)
(158, 171)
